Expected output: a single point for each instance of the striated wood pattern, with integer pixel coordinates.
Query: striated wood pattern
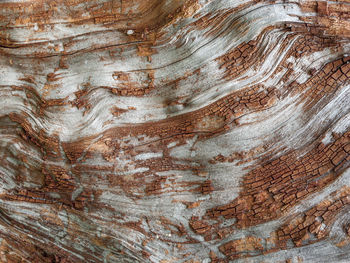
(174, 131)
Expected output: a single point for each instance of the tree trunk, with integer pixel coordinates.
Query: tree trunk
(174, 131)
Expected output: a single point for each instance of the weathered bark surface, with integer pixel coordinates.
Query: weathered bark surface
(174, 131)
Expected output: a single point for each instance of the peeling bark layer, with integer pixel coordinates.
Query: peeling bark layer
(174, 131)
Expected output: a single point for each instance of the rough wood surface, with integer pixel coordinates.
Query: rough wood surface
(174, 131)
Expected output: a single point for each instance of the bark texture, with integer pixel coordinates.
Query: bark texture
(174, 131)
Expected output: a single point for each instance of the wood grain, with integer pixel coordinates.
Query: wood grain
(174, 131)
